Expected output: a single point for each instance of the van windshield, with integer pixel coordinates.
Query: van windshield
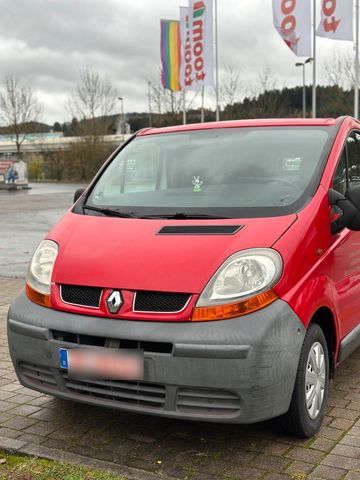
(229, 172)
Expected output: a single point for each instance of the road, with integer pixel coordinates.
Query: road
(25, 218)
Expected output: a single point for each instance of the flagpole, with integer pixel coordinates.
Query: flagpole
(184, 106)
(314, 62)
(216, 64)
(202, 103)
(356, 86)
(149, 94)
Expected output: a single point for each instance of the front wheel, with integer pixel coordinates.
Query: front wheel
(308, 403)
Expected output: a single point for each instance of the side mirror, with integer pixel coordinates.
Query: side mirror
(78, 194)
(347, 209)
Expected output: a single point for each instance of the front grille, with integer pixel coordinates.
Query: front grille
(129, 393)
(207, 402)
(148, 395)
(37, 375)
(157, 302)
(82, 296)
(160, 302)
(199, 402)
(91, 340)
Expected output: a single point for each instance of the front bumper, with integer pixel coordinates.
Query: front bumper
(235, 371)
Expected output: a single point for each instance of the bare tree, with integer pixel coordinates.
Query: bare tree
(230, 85)
(266, 80)
(93, 99)
(165, 101)
(18, 107)
(156, 93)
(339, 70)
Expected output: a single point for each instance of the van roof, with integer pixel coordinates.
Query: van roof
(278, 122)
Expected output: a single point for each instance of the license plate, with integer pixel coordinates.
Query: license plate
(109, 365)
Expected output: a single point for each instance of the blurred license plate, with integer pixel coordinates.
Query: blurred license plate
(109, 365)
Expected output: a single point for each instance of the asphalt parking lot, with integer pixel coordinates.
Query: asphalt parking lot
(144, 447)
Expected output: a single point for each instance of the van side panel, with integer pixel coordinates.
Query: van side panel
(322, 268)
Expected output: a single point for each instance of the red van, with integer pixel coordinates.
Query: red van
(209, 272)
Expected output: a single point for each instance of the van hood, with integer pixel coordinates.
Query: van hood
(130, 254)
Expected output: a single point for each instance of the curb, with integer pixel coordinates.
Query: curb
(12, 445)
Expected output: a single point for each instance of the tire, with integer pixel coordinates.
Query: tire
(309, 399)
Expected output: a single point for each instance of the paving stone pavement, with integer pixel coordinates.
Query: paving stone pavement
(145, 447)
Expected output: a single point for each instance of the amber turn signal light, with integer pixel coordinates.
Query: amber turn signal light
(39, 298)
(231, 310)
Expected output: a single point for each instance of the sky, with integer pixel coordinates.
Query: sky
(46, 43)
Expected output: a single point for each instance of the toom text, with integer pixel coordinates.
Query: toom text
(288, 24)
(330, 21)
(194, 46)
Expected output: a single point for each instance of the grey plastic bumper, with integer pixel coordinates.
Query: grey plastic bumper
(240, 370)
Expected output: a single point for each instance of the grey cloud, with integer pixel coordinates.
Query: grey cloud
(47, 42)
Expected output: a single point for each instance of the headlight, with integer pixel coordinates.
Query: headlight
(240, 286)
(41, 267)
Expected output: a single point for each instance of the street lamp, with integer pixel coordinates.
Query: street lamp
(302, 64)
(122, 118)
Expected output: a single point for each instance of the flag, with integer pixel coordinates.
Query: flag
(197, 33)
(184, 41)
(336, 20)
(292, 19)
(170, 54)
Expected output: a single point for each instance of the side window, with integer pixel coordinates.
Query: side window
(339, 182)
(349, 171)
(353, 150)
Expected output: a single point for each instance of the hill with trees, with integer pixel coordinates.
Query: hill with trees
(332, 101)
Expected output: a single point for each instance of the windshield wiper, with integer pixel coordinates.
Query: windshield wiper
(176, 216)
(184, 216)
(109, 212)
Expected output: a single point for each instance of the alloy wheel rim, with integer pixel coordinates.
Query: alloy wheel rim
(315, 379)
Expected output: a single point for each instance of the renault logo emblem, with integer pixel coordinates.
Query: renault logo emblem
(114, 301)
